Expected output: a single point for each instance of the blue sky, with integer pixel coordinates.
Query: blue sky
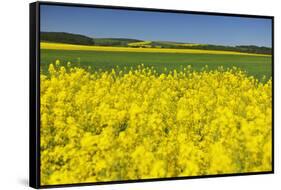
(96, 22)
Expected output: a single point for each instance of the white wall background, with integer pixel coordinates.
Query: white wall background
(14, 39)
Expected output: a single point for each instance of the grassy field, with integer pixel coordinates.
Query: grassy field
(254, 65)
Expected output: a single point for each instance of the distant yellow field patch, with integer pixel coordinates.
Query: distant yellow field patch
(137, 44)
(191, 45)
(60, 46)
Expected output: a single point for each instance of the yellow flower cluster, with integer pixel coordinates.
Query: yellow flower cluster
(106, 126)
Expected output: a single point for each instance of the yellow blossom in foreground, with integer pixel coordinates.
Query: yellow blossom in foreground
(116, 125)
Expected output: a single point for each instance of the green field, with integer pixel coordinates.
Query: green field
(257, 66)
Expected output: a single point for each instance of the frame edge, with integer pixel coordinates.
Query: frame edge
(34, 160)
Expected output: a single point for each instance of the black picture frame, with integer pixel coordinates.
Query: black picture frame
(34, 92)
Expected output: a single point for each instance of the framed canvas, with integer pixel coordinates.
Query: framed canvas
(122, 94)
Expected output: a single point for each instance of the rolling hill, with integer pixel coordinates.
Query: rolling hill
(69, 38)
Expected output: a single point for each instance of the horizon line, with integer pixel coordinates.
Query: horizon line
(156, 40)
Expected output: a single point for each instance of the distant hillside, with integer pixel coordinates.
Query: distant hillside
(62, 37)
(68, 38)
(114, 41)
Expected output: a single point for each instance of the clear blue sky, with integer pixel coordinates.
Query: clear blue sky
(96, 22)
